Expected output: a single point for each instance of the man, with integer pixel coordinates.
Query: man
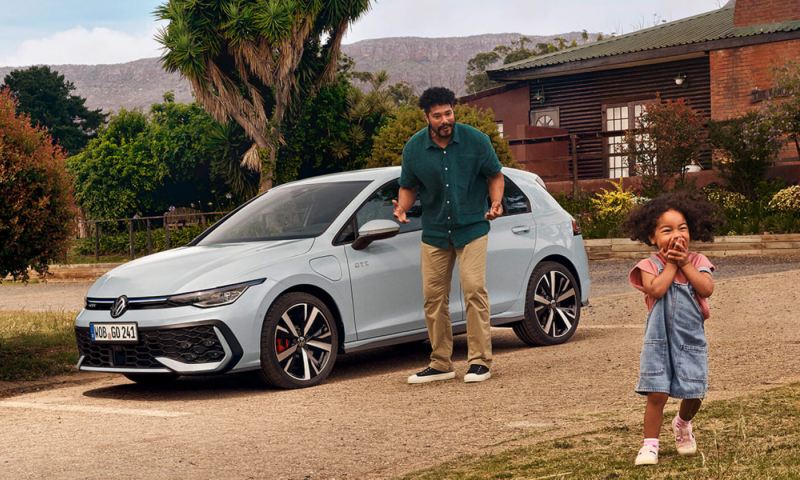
(453, 167)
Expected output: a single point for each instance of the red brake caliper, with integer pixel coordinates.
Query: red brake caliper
(281, 344)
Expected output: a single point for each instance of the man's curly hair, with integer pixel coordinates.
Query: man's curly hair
(436, 96)
(701, 216)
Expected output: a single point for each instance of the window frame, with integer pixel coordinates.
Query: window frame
(607, 134)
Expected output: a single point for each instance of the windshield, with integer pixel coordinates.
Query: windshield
(300, 211)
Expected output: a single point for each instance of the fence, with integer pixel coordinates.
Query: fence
(146, 235)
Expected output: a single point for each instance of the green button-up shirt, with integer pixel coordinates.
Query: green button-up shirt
(451, 183)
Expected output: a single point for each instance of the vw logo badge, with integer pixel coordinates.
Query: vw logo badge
(119, 306)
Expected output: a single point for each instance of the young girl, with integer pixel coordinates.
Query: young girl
(676, 283)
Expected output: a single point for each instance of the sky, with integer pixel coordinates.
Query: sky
(116, 31)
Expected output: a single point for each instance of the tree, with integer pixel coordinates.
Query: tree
(45, 96)
(784, 109)
(178, 156)
(334, 129)
(250, 60)
(747, 146)
(388, 144)
(36, 212)
(668, 137)
(477, 78)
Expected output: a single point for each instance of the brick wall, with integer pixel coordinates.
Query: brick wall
(755, 12)
(736, 72)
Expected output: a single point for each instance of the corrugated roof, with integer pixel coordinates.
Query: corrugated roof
(714, 25)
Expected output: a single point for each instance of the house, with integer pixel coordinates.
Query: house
(565, 113)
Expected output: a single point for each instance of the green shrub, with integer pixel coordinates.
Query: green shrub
(786, 200)
(119, 243)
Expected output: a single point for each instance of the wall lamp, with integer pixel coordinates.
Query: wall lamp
(680, 80)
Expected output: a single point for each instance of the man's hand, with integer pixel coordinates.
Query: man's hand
(496, 210)
(399, 212)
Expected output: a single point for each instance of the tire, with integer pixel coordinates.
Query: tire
(549, 322)
(152, 379)
(299, 342)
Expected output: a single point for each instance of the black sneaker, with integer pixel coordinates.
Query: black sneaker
(477, 373)
(431, 375)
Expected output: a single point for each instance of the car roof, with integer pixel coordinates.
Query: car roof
(383, 174)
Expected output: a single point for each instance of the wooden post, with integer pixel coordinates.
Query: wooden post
(130, 239)
(97, 241)
(574, 141)
(149, 238)
(166, 233)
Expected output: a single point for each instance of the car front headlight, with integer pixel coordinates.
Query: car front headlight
(215, 297)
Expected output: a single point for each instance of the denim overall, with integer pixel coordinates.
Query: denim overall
(674, 356)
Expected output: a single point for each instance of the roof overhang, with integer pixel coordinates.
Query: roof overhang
(647, 57)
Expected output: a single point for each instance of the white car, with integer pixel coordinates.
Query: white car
(316, 268)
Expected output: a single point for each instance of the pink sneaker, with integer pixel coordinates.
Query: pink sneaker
(684, 438)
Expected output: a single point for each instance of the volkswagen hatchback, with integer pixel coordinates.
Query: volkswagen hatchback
(316, 268)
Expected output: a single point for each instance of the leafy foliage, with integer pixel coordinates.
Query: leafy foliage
(45, 96)
(784, 109)
(36, 211)
(389, 141)
(179, 156)
(786, 200)
(334, 129)
(668, 137)
(609, 209)
(749, 144)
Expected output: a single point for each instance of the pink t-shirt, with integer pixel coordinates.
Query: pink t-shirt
(700, 262)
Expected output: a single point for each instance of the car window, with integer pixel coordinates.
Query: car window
(294, 211)
(514, 201)
(379, 207)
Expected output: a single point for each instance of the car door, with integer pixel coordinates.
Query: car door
(512, 239)
(385, 277)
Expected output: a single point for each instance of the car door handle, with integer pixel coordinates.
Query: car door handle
(520, 229)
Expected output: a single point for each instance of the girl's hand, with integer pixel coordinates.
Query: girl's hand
(678, 252)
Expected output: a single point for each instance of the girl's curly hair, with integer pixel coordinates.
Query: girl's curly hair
(701, 216)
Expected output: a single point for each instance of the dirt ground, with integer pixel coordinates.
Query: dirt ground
(366, 422)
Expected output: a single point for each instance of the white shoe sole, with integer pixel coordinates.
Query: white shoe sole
(646, 461)
(414, 379)
(687, 452)
(474, 377)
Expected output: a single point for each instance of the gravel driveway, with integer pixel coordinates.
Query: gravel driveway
(366, 422)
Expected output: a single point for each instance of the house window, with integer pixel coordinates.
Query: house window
(500, 128)
(616, 120)
(545, 117)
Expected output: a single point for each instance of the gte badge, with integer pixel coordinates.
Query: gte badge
(119, 306)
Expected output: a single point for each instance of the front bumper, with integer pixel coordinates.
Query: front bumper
(189, 348)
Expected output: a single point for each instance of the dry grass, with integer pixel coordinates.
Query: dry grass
(755, 437)
(36, 344)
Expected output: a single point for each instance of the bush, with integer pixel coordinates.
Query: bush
(761, 215)
(36, 209)
(786, 200)
(748, 144)
(667, 138)
(387, 147)
(119, 243)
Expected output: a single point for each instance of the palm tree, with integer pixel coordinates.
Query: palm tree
(249, 60)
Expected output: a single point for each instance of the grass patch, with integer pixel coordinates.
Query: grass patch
(754, 437)
(36, 344)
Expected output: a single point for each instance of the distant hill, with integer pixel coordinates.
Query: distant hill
(422, 62)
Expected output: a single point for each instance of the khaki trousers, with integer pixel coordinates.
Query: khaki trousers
(437, 271)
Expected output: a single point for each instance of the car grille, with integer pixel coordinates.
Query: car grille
(196, 344)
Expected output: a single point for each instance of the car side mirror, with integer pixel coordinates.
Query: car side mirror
(375, 230)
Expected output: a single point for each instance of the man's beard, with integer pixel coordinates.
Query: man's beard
(440, 130)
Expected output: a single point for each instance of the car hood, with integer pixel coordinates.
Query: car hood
(188, 269)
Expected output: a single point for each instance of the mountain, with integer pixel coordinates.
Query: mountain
(421, 62)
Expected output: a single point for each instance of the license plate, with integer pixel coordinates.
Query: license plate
(114, 332)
